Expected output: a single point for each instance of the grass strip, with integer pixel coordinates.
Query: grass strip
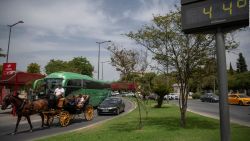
(161, 124)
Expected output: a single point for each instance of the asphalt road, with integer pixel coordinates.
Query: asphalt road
(238, 114)
(7, 125)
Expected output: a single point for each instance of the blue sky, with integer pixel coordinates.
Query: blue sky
(63, 29)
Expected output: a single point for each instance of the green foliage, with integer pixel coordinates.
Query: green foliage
(196, 95)
(33, 68)
(161, 87)
(231, 70)
(56, 65)
(81, 65)
(146, 83)
(78, 65)
(124, 60)
(239, 81)
(241, 64)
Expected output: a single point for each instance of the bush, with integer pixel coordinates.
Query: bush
(196, 95)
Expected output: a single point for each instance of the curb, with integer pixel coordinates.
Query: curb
(92, 125)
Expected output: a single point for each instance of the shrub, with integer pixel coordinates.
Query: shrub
(196, 95)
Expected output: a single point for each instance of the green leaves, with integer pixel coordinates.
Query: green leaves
(78, 65)
(33, 68)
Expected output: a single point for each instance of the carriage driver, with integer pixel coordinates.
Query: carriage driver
(59, 92)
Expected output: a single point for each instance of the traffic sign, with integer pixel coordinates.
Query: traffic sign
(199, 16)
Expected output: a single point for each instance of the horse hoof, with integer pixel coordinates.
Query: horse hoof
(31, 130)
(13, 133)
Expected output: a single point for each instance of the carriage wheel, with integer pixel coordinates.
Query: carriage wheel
(89, 112)
(64, 118)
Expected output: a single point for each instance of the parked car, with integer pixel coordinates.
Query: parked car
(111, 105)
(239, 99)
(128, 94)
(209, 97)
(172, 96)
(115, 93)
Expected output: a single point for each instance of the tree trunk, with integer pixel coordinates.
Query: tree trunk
(183, 117)
(160, 101)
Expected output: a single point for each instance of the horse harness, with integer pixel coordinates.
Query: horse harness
(20, 108)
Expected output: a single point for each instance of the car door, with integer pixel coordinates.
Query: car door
(234, 99)
(231, 99)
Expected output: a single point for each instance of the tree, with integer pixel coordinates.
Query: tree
(231, 70)
(81, 65)
(33, 68)
(161, 87)
(169, 45)
(123, 60)
(78, 65)
(241, 64)
(56, 65)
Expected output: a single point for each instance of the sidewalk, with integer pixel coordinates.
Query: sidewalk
(7, 111)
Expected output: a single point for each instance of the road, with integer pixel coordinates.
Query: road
(7, 125)
(238, 114)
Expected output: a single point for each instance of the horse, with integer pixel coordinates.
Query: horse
(25, 108)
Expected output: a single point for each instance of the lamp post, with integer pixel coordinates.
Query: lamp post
(99, 43)
(102, 67)
(10, 26)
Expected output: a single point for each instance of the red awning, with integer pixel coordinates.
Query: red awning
(20, 78)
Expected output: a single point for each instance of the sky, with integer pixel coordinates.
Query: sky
(64, 29)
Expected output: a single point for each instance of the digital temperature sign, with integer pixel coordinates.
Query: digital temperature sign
(206, 15)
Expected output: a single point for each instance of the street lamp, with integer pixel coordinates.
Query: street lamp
(102, 67)
(10, 26)
(99, 54)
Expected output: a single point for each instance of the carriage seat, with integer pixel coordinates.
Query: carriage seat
(80, 103)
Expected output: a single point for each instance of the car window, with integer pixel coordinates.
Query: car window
(242, 96)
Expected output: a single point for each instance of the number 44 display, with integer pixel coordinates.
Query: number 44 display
(225, 7)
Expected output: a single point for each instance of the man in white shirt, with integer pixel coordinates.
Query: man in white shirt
(59, 92)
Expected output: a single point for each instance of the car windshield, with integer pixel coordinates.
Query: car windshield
(110, 101)
(52, 83)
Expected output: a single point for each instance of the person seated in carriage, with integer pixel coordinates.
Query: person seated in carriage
(72, 100)
(81, 100)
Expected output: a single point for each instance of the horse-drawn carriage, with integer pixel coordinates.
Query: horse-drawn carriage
(66, 110)
(63, 110)
(74, 84)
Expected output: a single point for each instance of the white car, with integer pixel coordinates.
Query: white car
(129, 94)
(114, 93)
(172, 96)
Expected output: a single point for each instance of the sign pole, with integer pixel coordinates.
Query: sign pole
(223, 90)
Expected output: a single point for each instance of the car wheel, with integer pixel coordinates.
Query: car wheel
(241, 103)
(117, 111)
